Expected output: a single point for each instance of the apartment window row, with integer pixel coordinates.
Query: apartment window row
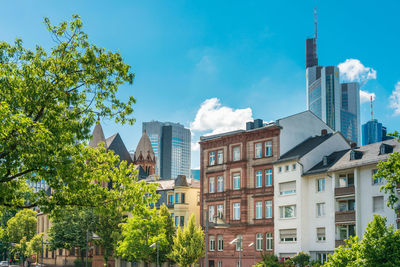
(263, 149)
(269, 241)
(215, 157)
(213, 244)
(287, 168)
(179, 198)
(211, 184)
(288, 235)
(287, 212)
(267, 173)
(179, 221)
(259, 209)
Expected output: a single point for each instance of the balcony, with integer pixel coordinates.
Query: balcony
(339, 243)
(345, 216)
(344, 191)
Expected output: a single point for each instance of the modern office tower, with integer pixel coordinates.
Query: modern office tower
(373, 132)
(324, 94)
(171, 146)
(350, 111)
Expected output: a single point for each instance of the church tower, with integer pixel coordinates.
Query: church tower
(144, 155)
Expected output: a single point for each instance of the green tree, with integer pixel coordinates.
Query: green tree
(269, 260)
(139, 232)
(301, 259)
(49, 101)
(70, 228)
(170, 231)
(188, 244)
(380, 246)
(34, 246)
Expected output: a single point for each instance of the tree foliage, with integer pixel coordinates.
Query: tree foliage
(188, 244)
(301, 259)
(49, 101)
(144, 228)
(380, 246)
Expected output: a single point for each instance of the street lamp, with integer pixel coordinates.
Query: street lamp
(237, 241)
(155, 245)
(254, 245)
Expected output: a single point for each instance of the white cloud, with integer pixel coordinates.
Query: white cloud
(214, 117)
(395, 99)
(205, 64)
(366, 96)
(352, 70)
(195, 146)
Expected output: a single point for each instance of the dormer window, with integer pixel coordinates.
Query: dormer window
(385, 149)
(325, 160)
(355, 154)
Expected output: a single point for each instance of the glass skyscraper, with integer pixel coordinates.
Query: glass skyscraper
(171, 146)
(373, 132)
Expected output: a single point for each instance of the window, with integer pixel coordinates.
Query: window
(220, 183)
(259, 179)
(322, 257)
(268, 209)
(321, 185)
(212, 243)
(268, 177)
(280, 169)
(239, 242)
(211, 213)
(60, 251)
(176, 198)
(259, 241)
(321, 234)
(346, 180)
(258, 150)
(378, 180)
(219, 263)
(236, 211)
(347, 205)
(236, 181)
(220, 243)
(177, 221)
(258, 210)
(211, 158)
(294, 167)
(377, 204)
(268, 148)
(236, 153)
(211, 185)
(220, 211)
(287, 188)
(320, 209)
(287, 211)
(345, 231)
(220, 157)
(269, 241)
(183, 198)
(287, 168)
(170, 199)
(288, 235)
(182, 220)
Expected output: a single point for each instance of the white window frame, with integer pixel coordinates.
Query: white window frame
(378, 181)
(269, 241)
(211, 213)
(321, 238)
(236, 181)
(373, 204)
(211, 158)
(259, 210)
(259, 178)
(211, 185)
(220, 243)
(236, 211)
(268, 177)
(212, 243)
(282, 212)
(287, 239)
(321, 209)
(268, 148)
(236, 153)
(220, 211)
(220, 157)
(289, 192)
(220, 183)
(258, 150)
(259, 241)
(268, 209)
(321, 185)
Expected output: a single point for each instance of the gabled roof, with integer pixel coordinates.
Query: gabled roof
(369, 154)
(330, 160)
(144, 150)
(97, 136)
(116, 144)
(303, 148)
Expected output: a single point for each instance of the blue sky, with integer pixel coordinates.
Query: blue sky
(240, 59)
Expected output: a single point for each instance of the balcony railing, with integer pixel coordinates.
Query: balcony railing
(342, 191)
(345, 216)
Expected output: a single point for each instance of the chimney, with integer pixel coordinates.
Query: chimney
(258, 123)
(249, 125)
(324, 131)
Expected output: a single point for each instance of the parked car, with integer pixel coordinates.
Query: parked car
(3, 263)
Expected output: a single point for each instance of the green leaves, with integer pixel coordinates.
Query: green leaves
(49, 100)
(390, 170)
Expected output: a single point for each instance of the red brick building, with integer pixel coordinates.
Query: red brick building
(237, 193)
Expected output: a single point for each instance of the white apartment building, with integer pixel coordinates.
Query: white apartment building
(292, 215)
(332, 199)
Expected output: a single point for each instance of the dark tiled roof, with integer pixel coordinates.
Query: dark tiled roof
(331, 159)
(181, 181)
(97, 136)
(116, 144)
(144, 150)
(304, 147)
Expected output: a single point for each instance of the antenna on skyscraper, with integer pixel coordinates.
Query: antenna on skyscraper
(371, 110)
(315, 23)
